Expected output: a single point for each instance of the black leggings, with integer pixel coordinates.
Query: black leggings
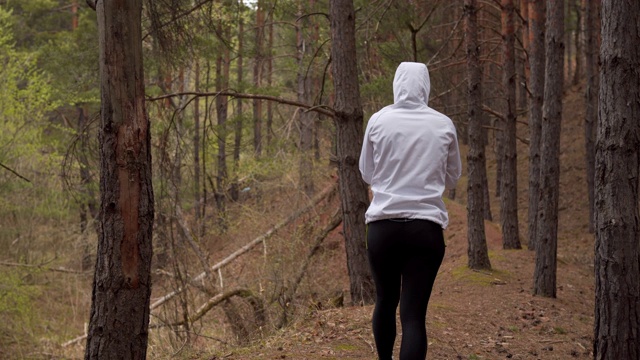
(404, 257)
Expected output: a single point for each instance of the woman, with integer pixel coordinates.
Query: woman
(409, 155)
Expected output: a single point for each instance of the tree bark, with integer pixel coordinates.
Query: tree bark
(476, 163)
(577, 75)
(547, 230)
(238, 125)
(118, 327)
(222, 111)
(349, 128)
(269, 59)
(591, 102)
(196, 147)
(536, 66)
(305, 118)
(509, 192)
(617, 251)
(257, 79)
(522, 62)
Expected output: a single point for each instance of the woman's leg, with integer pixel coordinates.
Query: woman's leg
(423, 252)
(385, 270)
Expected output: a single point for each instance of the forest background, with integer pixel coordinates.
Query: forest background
(248, 249)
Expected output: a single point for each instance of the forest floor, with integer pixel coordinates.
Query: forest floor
(476, 314)
(472, 314)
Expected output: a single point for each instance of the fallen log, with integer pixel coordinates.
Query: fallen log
(316, 200)
(250, 245)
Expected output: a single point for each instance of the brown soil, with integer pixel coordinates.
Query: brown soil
(473, 315)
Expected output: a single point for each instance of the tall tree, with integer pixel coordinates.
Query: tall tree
(476, 162)
(239, 119)
(257, 77)
(222, 111)
(509, 183)
(196, 145)
(119, 322)
(349, 130)
(591, 101)
(617, 251)
(269, 59)
(536, 81)
(575, 7)
(305, 118)
(547, 230)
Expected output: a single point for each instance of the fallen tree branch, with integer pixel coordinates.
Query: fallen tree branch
(204, 308)
(75, 341)
(252, 244)
(40, 267)
(335, 220)
(190, 238)
(324, 194)
(322, 109)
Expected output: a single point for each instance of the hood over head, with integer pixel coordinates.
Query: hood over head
(411, 83)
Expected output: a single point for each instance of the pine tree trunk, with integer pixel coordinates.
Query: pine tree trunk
(522, 58)
(269, 51)
(576, 39)
(305, 119)
(547, 230)
(118, 328)
(222, 111)
(257, 79)
(349, 128)
(196, 146)
(617, 252)
(476, 163)
(238, 125)
(591, 102)
(509, 191)
(536, 66)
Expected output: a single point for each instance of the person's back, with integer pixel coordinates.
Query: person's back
(409, 155)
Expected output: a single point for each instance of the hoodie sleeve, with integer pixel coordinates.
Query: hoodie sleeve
(366, 156)
(454, 165)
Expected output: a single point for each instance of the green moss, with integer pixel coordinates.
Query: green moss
(559, 330)
(346, 347)
(480, 277)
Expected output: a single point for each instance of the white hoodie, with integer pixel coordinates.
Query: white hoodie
(410, 153)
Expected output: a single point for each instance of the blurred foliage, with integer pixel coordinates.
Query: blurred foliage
(16, 308)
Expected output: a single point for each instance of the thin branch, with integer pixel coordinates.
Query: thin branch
(447, 42)
(493, 112)
(250, 245)
(204, 309)
(41, 267)
(14, 172)
(322, 109)
(335, 220)
(313, 13)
